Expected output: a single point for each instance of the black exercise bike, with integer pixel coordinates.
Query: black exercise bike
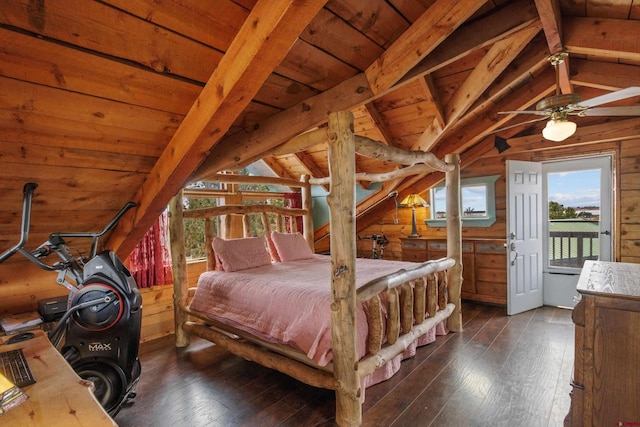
(101, 326)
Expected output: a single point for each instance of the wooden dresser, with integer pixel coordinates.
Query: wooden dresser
(484, 265)
(606, 376)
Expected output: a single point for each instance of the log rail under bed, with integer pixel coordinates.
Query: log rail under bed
(415, 300)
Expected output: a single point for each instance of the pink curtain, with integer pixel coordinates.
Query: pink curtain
(150, 261)
(294, 200)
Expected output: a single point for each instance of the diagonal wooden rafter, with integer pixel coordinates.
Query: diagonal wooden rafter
(277, 168)
(501, 54)
(479, 34)
(551, 19)
(428, 31)
(488, 119)
(376, 119)
(310, 165)
(432, 95)
(262, 42)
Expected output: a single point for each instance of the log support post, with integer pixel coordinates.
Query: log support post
(179, 266)
(209, 234)
(341, 200)
(454, 240)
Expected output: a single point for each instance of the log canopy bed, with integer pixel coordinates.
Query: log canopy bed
(368, 314)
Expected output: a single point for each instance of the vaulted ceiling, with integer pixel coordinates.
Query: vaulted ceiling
(102, 102)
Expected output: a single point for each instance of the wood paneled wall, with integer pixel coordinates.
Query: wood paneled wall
(22, 285)
(629, 202)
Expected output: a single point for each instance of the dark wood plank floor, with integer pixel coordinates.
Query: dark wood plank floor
(501, 371)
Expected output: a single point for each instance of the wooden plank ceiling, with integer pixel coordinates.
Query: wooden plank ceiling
(102, 102)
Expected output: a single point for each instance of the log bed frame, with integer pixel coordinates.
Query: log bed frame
(438, 296)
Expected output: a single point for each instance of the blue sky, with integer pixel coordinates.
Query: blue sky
(575, 189)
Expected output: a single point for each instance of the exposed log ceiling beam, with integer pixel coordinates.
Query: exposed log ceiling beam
(490, 67)
(428, 31)
(604, 75)
(610, 38)
(550, 16)
(477, 35)
(263, 41)
(244, 147)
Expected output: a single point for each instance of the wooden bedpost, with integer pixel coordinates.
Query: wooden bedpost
(341, 200)
(209, 234)
(307, 220)
(454, 240)
(179, 266)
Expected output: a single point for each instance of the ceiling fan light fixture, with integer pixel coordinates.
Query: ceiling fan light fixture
(559, 130)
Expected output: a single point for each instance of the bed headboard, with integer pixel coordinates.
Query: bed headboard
(283, 214)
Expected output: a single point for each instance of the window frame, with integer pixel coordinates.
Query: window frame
(489, 219)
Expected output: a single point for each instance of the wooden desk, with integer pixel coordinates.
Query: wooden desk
(59, 397)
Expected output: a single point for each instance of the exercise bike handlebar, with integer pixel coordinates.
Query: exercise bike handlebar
(27, 191)
(94, 236)
(56, 241)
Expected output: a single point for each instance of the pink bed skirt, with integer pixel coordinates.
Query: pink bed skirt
(390, 368)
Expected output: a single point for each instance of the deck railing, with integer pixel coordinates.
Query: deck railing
(573, 248)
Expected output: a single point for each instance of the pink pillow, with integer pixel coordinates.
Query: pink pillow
(291, 246)
(241, 254)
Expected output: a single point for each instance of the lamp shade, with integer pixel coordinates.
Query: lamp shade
(414, 200)
(558, 130)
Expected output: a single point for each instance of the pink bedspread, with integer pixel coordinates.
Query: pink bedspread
(287, 302)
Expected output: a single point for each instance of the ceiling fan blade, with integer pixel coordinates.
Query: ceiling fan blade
(536, 112)
(611, 97)
(612, 111)
(539, 119)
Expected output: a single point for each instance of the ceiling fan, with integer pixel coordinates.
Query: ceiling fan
(558, 107)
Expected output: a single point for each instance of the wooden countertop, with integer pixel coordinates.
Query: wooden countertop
(59, 397)
(610, 278)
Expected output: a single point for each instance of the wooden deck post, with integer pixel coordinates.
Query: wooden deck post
(341, 200)
(179, 266)
(454, 240)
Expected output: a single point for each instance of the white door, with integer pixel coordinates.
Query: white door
(524, 236)
(577, 204)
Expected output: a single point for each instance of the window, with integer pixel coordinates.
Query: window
(478, 203)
